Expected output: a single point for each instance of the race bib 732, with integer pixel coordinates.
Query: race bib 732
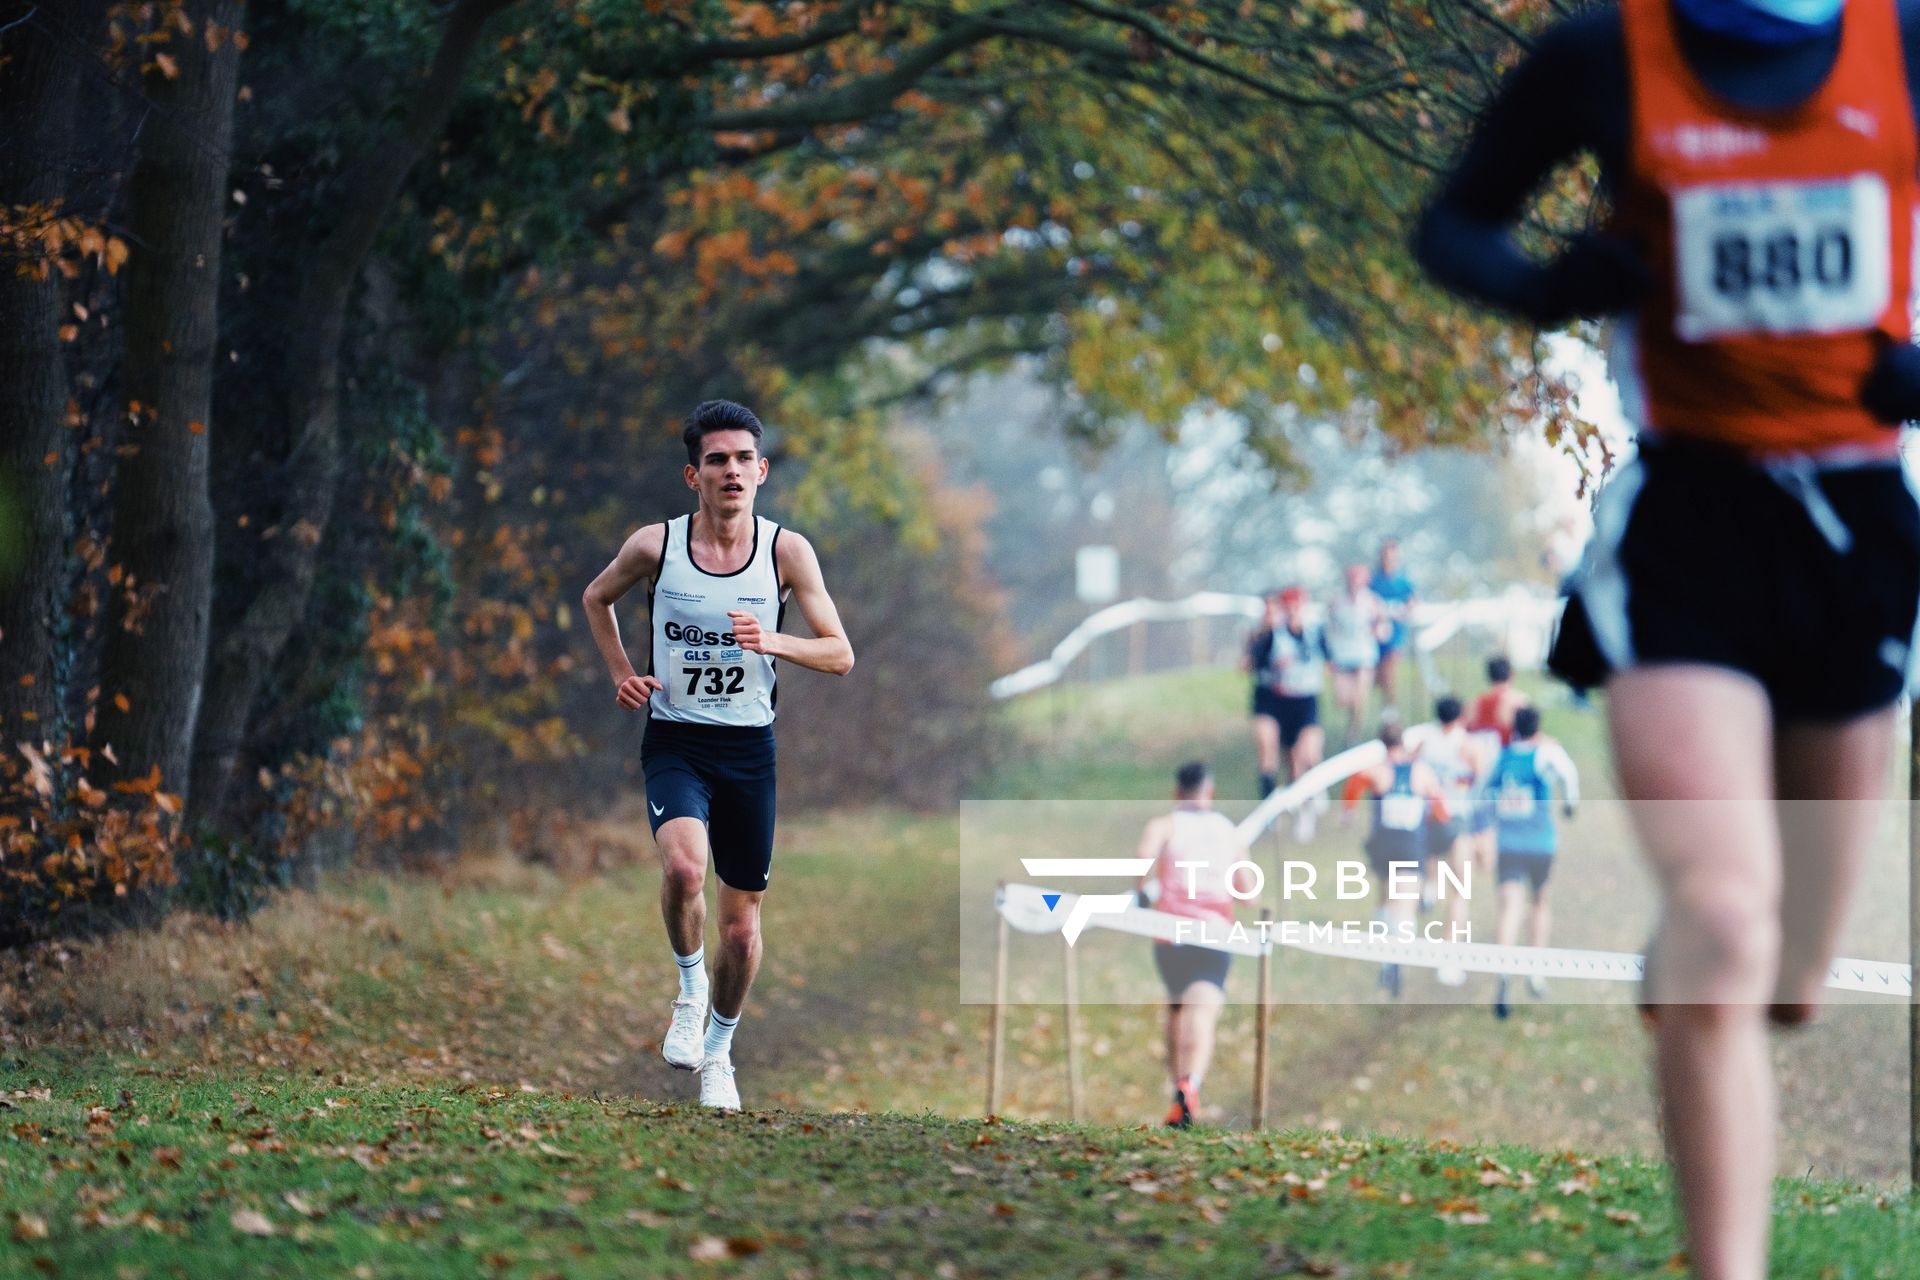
(710, 678)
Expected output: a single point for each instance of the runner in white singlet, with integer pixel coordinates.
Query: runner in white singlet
(1357, 623)
(1459, 762)
(1195, 975)
(720, 579)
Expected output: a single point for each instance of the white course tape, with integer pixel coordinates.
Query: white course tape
(1118, 617)
(1873, 977)
(1437, 623)
(1026, 908)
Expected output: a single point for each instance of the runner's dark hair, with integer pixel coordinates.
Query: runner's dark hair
(717, 415)
(1193, 775)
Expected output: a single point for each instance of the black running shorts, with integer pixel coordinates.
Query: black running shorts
(1530, 869)
(1385, 847)
(1181, 966)
(722, 775)
(1441, 835)
(1296, 714)
(1806, 578)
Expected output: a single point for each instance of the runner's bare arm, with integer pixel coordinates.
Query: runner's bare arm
(638, 560)
(828, 650)
(1427, 783)
(1153, 838)
(1560, 767)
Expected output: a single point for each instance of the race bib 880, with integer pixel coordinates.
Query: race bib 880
(1788, 257)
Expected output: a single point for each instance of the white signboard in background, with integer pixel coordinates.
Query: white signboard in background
(1096, 574)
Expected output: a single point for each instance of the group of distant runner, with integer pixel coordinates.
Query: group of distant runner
(1479, 787)
(1362, 633)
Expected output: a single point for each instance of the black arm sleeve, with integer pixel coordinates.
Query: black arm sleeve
(1910, 48)
(1569, 95)
(1260, 651)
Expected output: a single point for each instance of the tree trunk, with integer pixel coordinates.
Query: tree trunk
(242, 659)
(39, 77)
(153, 661)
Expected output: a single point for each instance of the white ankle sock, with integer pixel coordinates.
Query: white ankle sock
(720, 1034)
(693, 973)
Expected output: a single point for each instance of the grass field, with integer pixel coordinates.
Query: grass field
(186, 1174)
(459, 1076)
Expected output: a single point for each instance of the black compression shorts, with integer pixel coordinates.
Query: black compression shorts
(723, 776)
(1808, 580)
(1181, 966)
(1296, 714)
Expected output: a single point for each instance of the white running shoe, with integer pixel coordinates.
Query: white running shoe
(685, 1046)
(1537, 987)
(1452, 976)
(717, 1089)
(1303, 825)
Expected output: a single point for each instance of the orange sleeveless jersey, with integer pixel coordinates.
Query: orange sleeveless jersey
(1781, 243)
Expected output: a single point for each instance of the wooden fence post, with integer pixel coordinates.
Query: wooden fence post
(1260, 1020)
(996, 1033)
(1073, 1031)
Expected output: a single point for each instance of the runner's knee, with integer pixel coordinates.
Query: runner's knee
(1730, 935)
(684, 867)
(739, 934)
